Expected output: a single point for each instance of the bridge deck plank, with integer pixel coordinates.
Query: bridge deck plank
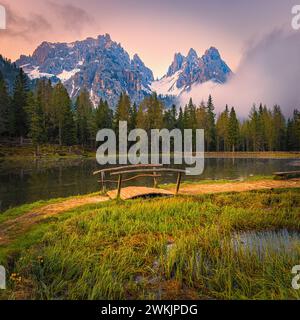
(136, 192)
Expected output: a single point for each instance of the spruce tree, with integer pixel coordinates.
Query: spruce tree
(222, 127)
(103, 116)
(155, 110)
(191, 115)
(63, 115)
(122, 110)
(211, 134)
(141, 118)
(254, 129)
(150, 113)
(85, 123)
(203, 123)
(44, 92)
(133, 117)
(36, 124)
(280, 132)
(293, 132)
(245, 136)
(4, 107)
(261, 129)
(19, 124)
(69, 137)
(170, 118)
(233, 130)
(269, 129)
(180, 120)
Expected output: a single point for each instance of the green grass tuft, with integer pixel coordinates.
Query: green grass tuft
(157, 249)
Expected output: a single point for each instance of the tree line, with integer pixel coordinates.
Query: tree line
(48, 115)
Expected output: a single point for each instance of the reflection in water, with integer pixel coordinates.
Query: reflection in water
(26, 182)
(263, 242)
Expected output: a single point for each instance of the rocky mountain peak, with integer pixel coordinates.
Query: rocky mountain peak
(146, 73)
(176, 64)
(137, 59)
(105, 69)
(100, 65)
(184, 72)
(213, 53)
(192, 55)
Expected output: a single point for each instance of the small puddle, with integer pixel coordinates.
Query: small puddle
(262, 242)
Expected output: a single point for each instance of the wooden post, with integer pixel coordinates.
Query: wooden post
(102, 181)
(178, 182)
(119, 186)
(155, 180)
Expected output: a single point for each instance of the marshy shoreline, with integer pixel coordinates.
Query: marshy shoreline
(162, 248)
(50, 152)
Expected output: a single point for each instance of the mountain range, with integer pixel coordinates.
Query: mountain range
(184, 72)
(106, 70)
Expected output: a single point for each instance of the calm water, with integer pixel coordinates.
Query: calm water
(26, 182)
(264, 242)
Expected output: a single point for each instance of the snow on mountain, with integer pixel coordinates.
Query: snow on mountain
(105, 69)
(66, 75)
(188, 72)
(167, 85)
(100, 65)
(34, 72)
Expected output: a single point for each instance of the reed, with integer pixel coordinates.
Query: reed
(176, 248)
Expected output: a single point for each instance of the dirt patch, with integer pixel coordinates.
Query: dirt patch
(239, 186)
(10, 229)
(139, 192)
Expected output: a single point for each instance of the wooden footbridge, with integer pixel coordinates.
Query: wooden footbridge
(287, 174)
(124, 174)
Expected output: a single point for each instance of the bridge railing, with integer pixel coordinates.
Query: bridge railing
(140, 171)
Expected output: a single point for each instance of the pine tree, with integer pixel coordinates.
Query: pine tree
(44, 93)
(141, 117)
(293, 132)
(233, 130)
(18, 121)
(155, 110)
(269, 129)
(85, 122)
(170, 118)
(280, 132)
(222, 127)
(103, 116)
(291, 142)
(245, 135)
(63, 115)
(122, 110)
(4, 107)
(69, 128)
(191, 115)
(180, 120)
(150, 113)
(133, 117)
(211, 134)
(254, 129)
(203, 123)
(36, 125)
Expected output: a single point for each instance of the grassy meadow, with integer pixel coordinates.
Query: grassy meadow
(166, 248)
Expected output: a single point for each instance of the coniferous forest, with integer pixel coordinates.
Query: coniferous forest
(46, 115)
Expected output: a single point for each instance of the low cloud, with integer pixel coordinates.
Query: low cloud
(25, 28)
(73, 18)
(36, 26)
(269, 73)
